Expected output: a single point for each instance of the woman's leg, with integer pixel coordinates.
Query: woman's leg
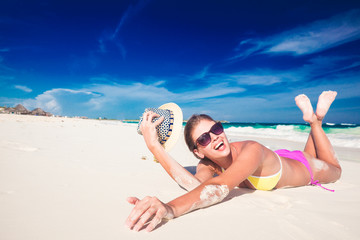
(318, 145)
(310, 146)
(303, 102)
(318, 150)
(324, 149)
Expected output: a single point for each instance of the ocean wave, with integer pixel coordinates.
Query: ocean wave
(341, 137)
(338, 136)
(348, 124)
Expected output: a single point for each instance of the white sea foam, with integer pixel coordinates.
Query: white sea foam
(348, 124)
(339, 137)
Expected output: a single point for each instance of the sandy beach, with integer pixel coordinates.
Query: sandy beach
(66, 178)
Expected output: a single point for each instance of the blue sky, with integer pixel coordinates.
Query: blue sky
(234, 60)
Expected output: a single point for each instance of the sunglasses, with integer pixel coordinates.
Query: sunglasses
(205, 138)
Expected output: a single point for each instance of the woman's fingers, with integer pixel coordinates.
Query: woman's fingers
(144, 218)
(147, 121)
(160, 214)
(158, 121)
(148, 116)
(148, 128)
(139, 209)
(132, 200)
(145, 209)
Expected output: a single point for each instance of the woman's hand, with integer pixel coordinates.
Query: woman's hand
(149, 208)
(148, 129)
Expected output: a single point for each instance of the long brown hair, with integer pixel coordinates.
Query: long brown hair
(189, 127)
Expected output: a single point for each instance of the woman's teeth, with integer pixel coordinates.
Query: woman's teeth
(219, 145)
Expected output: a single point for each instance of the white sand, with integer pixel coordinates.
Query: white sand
(69, 178)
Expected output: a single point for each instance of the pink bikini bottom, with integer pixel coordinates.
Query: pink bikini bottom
(299, 156)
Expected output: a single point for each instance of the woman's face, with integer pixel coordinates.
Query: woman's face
(218, 147)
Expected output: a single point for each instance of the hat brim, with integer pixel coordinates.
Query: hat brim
(177, 127)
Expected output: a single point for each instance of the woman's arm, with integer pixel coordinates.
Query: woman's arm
(148, 129)
(216, 189)
(208, 193)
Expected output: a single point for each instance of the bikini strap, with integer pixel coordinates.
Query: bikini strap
(313, 183)
(280, 163)
(316, 182)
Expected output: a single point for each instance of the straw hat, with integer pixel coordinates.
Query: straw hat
(169, 129)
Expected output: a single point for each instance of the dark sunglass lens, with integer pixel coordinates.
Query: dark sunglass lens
(217, 128)
(204, 139)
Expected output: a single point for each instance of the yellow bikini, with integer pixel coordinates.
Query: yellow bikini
(266, 183)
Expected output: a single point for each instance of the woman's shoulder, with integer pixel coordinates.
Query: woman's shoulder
(248, 148)
(241, 145)
(249, 152)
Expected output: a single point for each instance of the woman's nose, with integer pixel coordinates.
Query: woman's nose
(213, 136)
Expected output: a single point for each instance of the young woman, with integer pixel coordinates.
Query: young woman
(240, 164)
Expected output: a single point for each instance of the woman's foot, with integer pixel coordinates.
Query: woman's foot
(325, 100)
(303, 102)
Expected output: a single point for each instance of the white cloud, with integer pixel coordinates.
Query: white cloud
(113, 37)
(264, 77)
(218, 95)
(10, 102)
(56, 100)
(23, 88)
(6, 78)
(314, 72)
(212, 91)
(159, 83)
(104, 98)
(319, 35)
(200, 75)
(113, 94)
(4, 67)
(314, 37)
(259, 77)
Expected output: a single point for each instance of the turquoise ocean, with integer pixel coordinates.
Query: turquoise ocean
(340, 135)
